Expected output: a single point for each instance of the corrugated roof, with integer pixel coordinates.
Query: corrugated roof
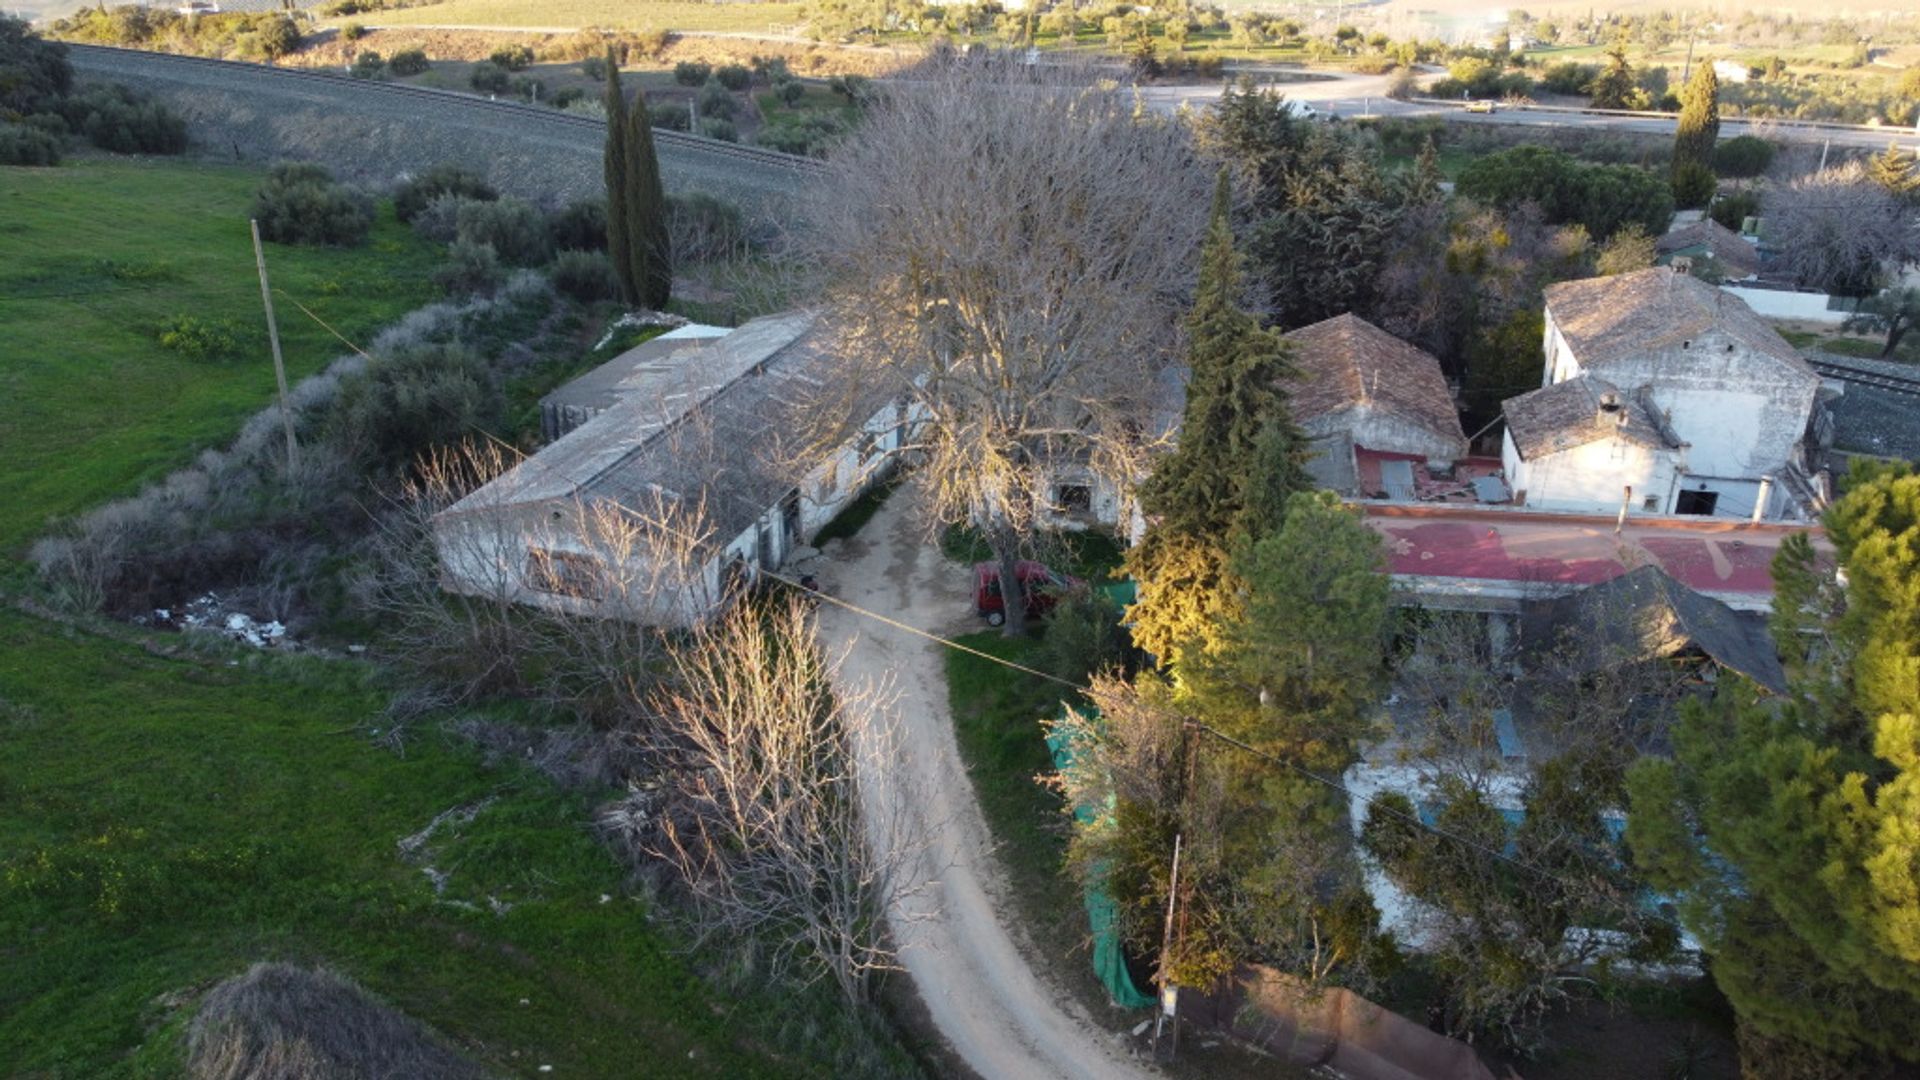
(1576, 412)
(601, 388)
(1608, 318)
(717, 428)
(1347, 361)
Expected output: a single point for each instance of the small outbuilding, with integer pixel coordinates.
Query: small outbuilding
(1380, 392)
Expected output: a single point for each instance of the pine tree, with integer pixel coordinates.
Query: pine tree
(1695, 136)
(1789, 830)
(1238, 459)
(615, 158)
(1897, 170)
(649, 245)
(1615, 87)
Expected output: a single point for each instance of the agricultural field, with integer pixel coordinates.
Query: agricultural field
(108, 254)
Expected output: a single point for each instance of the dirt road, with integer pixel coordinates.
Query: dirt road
(999, 1016)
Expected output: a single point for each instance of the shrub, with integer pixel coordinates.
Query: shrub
(812, 136)
(563, 98)
(715, 128)
(37, 73)
(771, 69)
(440, 220)
(1084, 636)
(579, 226)
(115, 118)
(414, 194)
(353, 31)
(414, 399)
(671, 115)
(489, 78)
(690, 73)
(24, 144)
(408, 62)
(267, 37)
(585, 276)
(1568, 77)
(1734, 208)
(791, 92)
(716, 103)
(369, 65)
(202, 339)
(303, 204)
(1743, 156)
(595, 68)
(515, 230)
(704, 228)
(855, 88)
(733, 76)
(1693, 185)
(512, 57)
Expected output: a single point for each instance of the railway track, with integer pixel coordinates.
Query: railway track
(680, 140)
(1898, 384)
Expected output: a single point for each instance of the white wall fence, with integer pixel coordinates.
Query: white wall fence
(1783, 304)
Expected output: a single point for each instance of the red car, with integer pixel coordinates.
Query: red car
(1042, 587)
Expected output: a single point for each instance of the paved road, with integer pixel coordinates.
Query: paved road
(1000, 1017)
(369, 133)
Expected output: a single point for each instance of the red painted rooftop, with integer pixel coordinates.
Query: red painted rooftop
(1532, 547)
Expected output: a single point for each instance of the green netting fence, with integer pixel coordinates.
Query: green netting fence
(1103, 915)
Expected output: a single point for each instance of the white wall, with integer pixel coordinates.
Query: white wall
(1744, 414)
(1560, 364)
(1592, 479)
(1776, 304)
(1375, 429)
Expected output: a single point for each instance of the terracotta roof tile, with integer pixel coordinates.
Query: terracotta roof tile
(1607, 318)
(1575, 412)
(1347, 361)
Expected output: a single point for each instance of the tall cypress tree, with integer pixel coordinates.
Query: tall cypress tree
(1238, 460)
(615, 162)
(649, 246)
(1695, 136)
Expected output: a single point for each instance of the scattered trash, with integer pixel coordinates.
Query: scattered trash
(210, 613)
(1141, 1028)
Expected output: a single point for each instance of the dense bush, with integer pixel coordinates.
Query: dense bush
(1735, 207)
(1084, 636)
(595, 68)
(470, 269)
(24, 144)
(1473, 76)
(416, 193)
(716, 103)
(515, 230)
(586, 276)
(812, 136)
(115, 118)
(408, 62)
(202, 339)
(1743, 156)
(1693, 185)
(689, 73)
(440, 220)
(1568, 77)
(245, 35)
(567, 96)
(715, 128)
(671, 115)
(411, 400)
(34, 73)
(733, 76)
(512, 57)
(489, 78)
(303, 204)
(1604, 198)
(855, 88)
(353, 31)
(579, 226)
(704, 228)
(369, 65)
(790, 92)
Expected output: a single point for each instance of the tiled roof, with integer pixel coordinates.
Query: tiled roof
(1347, 361)
(1607, 318)
(1735, 256)
(1579, 411)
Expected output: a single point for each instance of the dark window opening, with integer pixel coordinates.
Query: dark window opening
(1073, 498)
(1697, 502)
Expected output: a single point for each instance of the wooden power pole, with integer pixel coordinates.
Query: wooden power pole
(273, 335)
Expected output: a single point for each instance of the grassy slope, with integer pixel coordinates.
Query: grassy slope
(655, 14)
(95, 406)
(173, 818)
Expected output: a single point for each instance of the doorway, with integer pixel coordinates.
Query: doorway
(1700, 503)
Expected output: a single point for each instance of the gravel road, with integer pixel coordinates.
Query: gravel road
(369, 135)
(999, 1015)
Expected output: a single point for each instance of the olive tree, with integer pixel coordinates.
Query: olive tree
(1010, 247)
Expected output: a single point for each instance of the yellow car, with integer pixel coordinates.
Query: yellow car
(1480, 106)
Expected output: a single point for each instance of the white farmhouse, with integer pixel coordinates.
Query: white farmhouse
(1662, 394)
(679, 466)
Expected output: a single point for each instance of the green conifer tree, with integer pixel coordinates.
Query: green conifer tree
(1789, 830)
(1238, 459)
(649, 245)
(1897, 170)
(1615, 88)
(1695, 136)
(614, 160)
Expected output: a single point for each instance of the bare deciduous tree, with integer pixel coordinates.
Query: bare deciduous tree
(1010, 247)
(1838, 230)
(764, 820)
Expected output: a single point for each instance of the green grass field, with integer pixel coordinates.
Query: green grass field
(170, 819)
(755, 18)
(100, 253)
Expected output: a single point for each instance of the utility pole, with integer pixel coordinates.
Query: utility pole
(1687, 71)
(1170, 993)
(273, 335)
